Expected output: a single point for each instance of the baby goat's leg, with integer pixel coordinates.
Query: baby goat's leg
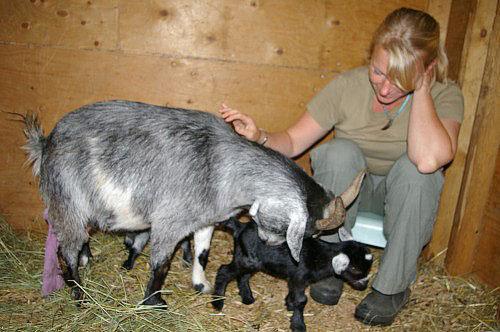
(296, 300)
(244, 288)
(202, 239)
(225, 274)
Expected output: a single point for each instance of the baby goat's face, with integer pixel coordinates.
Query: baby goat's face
(353, 264)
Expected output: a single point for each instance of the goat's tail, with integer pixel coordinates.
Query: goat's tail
(35, 141)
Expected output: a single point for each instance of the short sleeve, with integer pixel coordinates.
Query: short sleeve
(449, 103)
(325, 106)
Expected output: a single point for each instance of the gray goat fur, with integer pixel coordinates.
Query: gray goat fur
(129, 166)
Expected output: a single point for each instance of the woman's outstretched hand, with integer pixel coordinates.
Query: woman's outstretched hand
(242, 123)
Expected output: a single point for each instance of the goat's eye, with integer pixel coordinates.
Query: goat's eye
(354, 270)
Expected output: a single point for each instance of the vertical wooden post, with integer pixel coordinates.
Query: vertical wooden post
(480, 166)
(471, 73)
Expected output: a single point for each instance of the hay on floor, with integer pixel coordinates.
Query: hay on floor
(438, 302)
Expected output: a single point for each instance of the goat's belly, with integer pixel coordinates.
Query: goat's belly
(127, 222)
(118, 201)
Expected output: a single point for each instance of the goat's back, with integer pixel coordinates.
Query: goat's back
(130, 163)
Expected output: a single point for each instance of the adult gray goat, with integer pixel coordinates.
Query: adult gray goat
(129, 166)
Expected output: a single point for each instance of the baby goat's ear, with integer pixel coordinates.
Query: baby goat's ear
(340, 263)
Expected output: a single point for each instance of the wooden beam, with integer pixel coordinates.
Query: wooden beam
(472, 68)
(480, 166)
(440, 10)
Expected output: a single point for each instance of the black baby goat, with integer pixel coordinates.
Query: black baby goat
(348, 260)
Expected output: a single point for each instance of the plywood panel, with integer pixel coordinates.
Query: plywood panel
(349, 28)
(310, 34)
(55, 81)
(267, 58)
(75, 24)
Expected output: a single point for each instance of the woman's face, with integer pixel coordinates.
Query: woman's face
(385, 91)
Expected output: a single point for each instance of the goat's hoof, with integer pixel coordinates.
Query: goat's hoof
(218, 304)
(127, 265)
(298, 328)
(202, 288)
(77, 293)
(247, 300)
(156, 301)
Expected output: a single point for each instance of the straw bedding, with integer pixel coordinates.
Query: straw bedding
(438, 302)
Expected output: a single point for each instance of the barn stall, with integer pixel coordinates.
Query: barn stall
(266, 58)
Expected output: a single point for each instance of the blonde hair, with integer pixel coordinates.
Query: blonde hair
(411, 39)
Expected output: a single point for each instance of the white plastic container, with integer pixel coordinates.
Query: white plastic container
(368, 229)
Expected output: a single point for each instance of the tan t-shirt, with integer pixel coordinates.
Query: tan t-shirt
(346, 104)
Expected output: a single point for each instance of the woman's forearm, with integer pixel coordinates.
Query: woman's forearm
(429, 144)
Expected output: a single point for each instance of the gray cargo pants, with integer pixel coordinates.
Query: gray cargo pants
(407, 198)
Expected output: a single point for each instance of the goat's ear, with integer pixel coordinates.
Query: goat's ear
(295, 233)
(340, 263)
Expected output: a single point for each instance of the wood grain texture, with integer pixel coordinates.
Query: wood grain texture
(266, 58)
(307, 34)
(470, 227)
(71, 24)
(56, 81)
(487, 261)
(472, 70)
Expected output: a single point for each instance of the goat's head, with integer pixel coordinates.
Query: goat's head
(276, 218)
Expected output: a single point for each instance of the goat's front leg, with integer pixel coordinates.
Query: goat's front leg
(296, 300)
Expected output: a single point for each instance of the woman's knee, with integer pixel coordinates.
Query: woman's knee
(338, 153)
(404, 172)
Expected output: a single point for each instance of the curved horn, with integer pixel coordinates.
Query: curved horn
(336, 208)
(350, 193)
(336, 215)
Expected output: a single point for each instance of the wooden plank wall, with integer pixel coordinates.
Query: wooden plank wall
(474, 244)
(486, 265)
(480, 16)
(267, 58)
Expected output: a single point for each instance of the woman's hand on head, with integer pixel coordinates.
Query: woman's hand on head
(426, 78)
(242, 123)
